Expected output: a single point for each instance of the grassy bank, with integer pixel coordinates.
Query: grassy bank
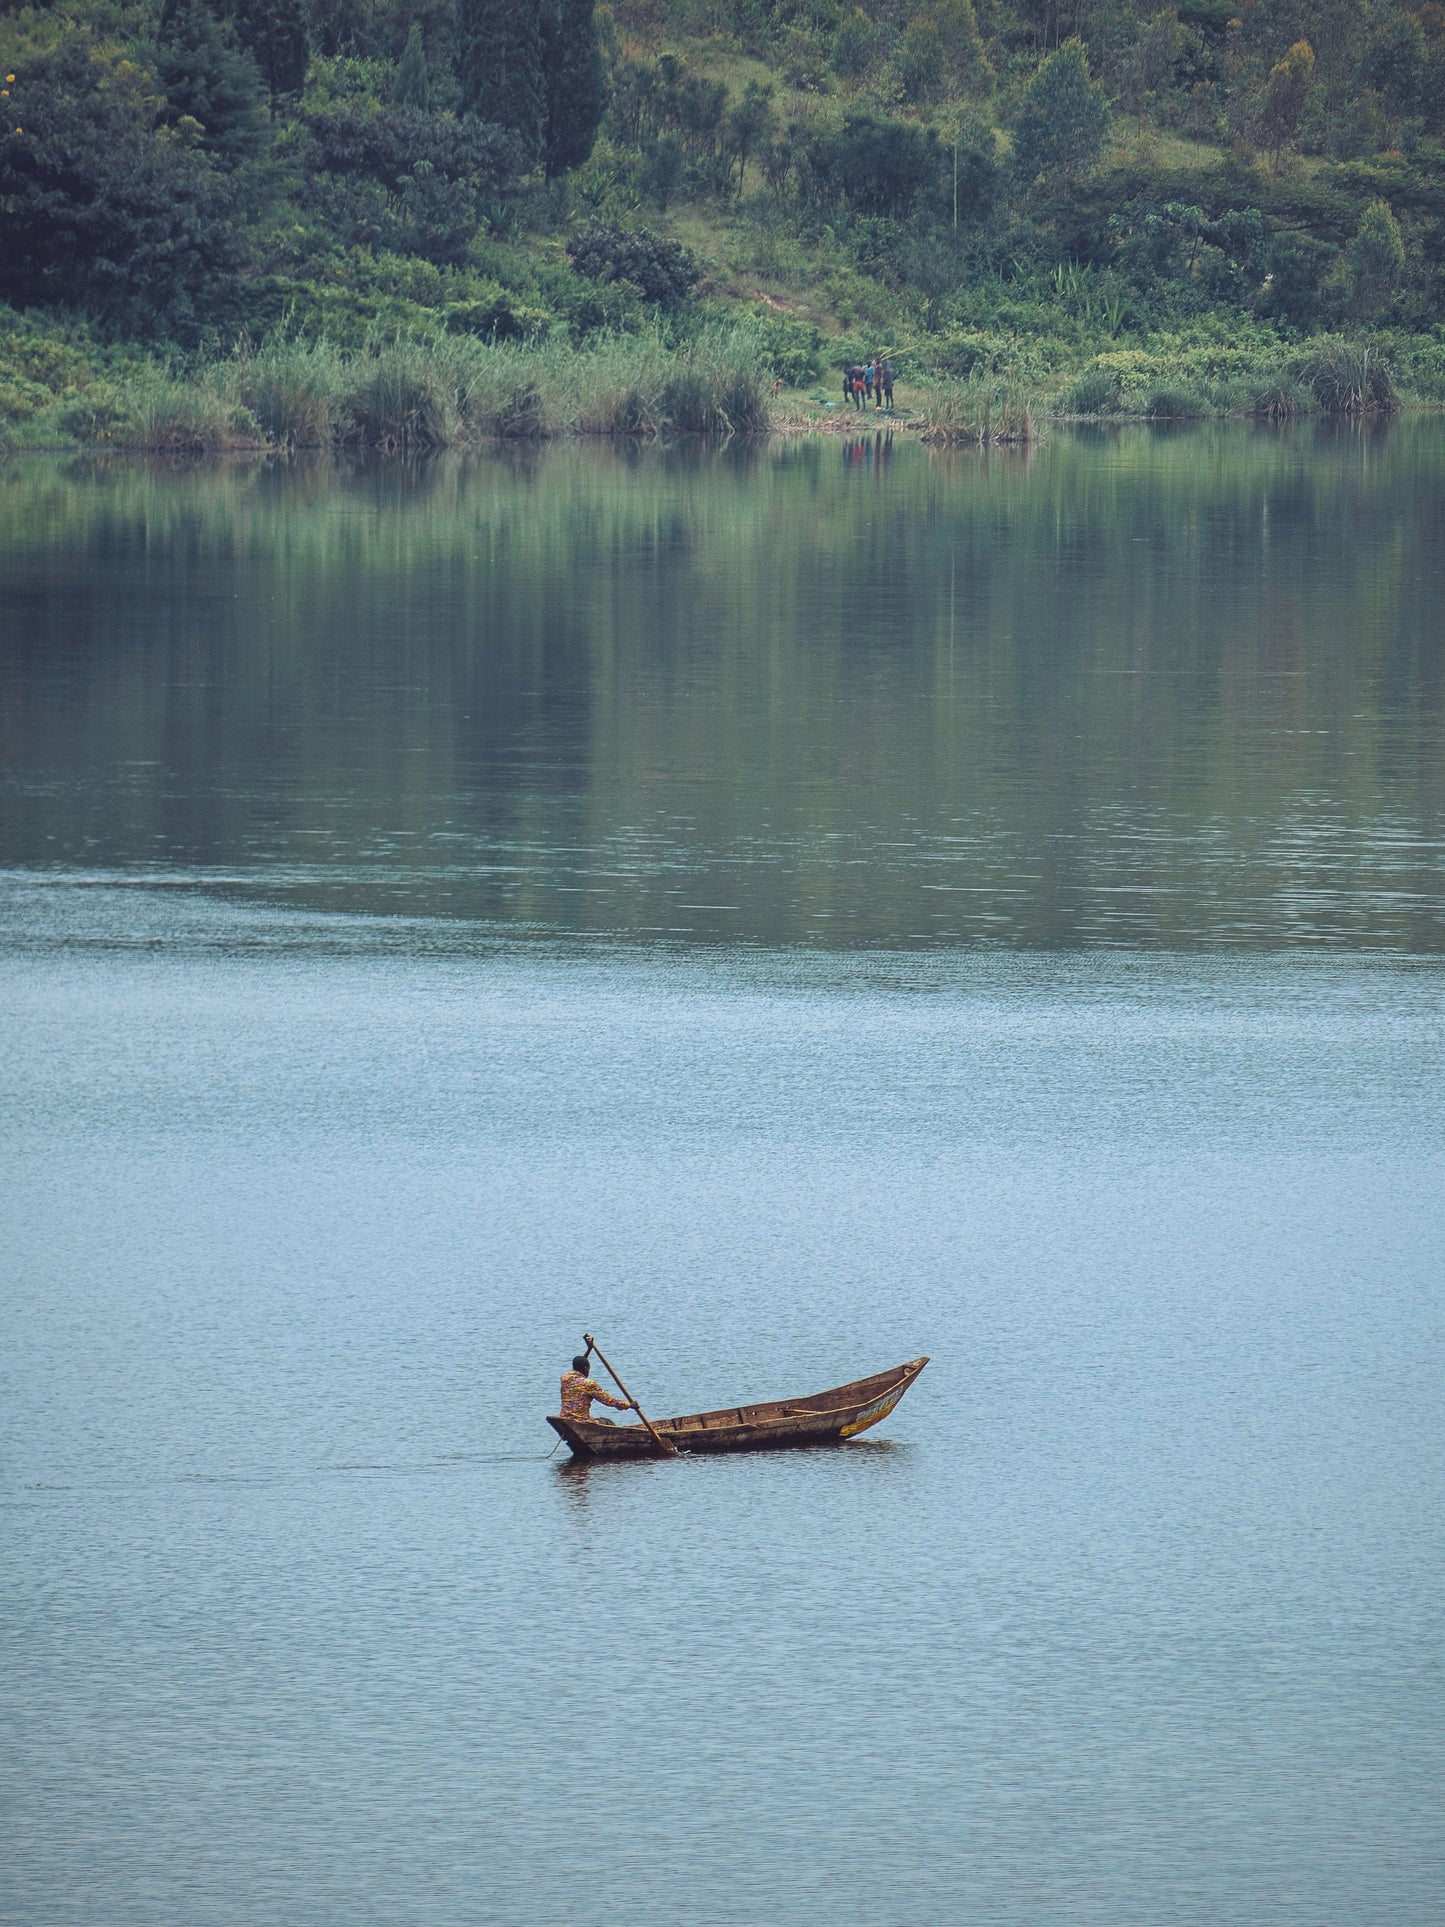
(397, 396)
(409, 394)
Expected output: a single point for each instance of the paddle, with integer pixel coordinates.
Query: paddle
(664, 1446)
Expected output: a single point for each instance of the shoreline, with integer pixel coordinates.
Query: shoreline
(912, 424)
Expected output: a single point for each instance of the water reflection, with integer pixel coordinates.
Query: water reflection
(1168, 688)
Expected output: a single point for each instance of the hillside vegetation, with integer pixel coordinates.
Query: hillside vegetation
(406, 223)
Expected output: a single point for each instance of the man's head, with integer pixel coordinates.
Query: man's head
(579, 1363)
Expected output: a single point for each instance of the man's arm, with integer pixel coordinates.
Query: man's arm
(594, 1390)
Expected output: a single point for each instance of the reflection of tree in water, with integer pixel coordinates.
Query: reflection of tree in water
(1141, 688)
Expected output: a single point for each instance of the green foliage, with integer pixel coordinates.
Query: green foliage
(1285, 93)
(1096, 392)
(1171, 403)
(918, 61)
(208, 83)
(804, 152)
(965, 61)
(274, 33)
(573, 84)
(102, 212)
(855, 45)
(871, 163)
(1348, 378)
(1377, 261)
(389, 146)
(412, 86)
(661, 271)
(1147, 66)
(1061, 123)
(791, 350)
(1395, 61)
(499, 66)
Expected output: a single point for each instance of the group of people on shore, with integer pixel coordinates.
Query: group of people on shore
(871, 380)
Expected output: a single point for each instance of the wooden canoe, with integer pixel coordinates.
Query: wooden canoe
(827, 1418)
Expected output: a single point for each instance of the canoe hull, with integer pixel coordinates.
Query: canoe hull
(825, 1418)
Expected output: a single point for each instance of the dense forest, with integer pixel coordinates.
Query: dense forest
(401, 220)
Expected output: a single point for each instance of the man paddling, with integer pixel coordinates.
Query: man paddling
(578, 1392)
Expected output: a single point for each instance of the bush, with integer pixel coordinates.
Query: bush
(1348, 378)
(1096, 392)
(1061, 123)
(293, 389)
(979, 414)
(189, 418)
(403, 398)
(662, 271)
(98, 415)
(791, 350)
(1281, 400)
(1169, 403)
(871, 163)
(398, 144)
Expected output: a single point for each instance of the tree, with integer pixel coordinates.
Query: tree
(1377, 261)
(499, 67)
(854, 45)
(919, 59)
(274, 32)
(1394, 63)
(208, 81)
(412, 86)
(1148, 66)
(873, 164)
(393, 147)
(1285, 93)
(1061, 123)
(964, 61)
(572, 83)
(752, 123)
(99, 210)
(662, 271)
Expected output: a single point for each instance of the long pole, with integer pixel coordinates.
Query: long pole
(664, 1446)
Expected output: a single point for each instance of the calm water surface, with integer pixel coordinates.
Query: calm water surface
(784, 910)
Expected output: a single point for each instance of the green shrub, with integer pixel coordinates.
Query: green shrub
(792, 350)
(1348, 378)
(1169, 403)
(100, 414)
(293, 389)
(662, 271)
(189, 418)
(1096, 392)
(1280, 400)
(21, 399)
(980, 414)
(403, 397)
(497, 316)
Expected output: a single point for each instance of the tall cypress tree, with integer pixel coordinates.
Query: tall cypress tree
(273, 32)
(208, 81)
(499, 66)
(412, 86)
(572, 80)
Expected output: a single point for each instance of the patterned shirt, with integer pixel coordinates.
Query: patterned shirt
(578, 1393)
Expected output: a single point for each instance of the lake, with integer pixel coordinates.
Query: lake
(784, 909)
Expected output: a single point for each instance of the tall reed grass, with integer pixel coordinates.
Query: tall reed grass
(1348, 378)
(978, 414)
(410, 395)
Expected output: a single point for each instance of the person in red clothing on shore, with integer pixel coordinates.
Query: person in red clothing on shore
(578, 1392)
